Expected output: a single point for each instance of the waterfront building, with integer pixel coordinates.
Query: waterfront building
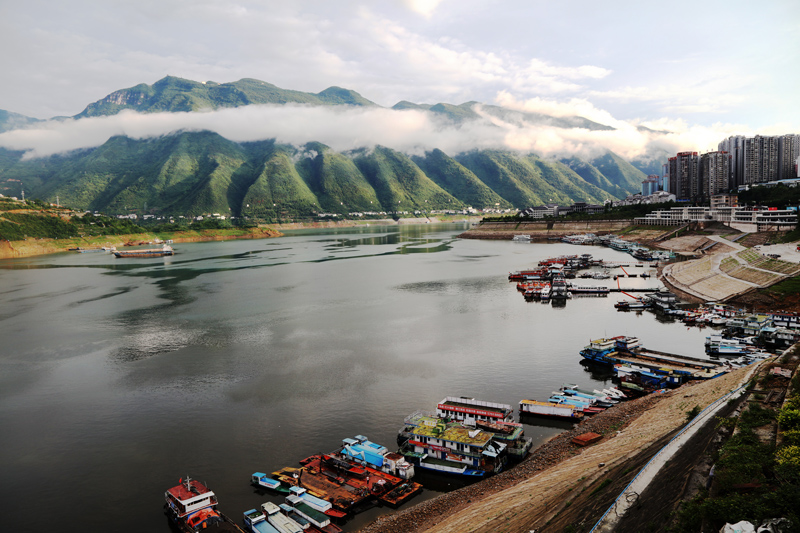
(724, 200)
(743, 219)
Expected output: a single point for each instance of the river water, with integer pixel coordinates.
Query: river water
(120, 376)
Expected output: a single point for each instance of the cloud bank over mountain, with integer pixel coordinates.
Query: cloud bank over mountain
(411, 131)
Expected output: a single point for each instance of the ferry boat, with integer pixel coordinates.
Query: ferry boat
(148, 252)
(192, 507)
(450, 447)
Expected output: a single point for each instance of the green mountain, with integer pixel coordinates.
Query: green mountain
(529, 180)
(194, 173)
(619, 172)
(171, 94)
(12, 121)
(400, 183)
(277, 191)
(458, 180)
(592, 175)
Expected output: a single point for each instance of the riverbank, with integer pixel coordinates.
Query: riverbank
(32, 247)
(334, 223)
(534, 493)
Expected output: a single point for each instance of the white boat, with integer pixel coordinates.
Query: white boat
(256, 522)
(550, 409)
(280, 521)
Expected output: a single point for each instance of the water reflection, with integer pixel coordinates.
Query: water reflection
(245, 356)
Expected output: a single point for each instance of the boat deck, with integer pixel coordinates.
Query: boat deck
(344, 488)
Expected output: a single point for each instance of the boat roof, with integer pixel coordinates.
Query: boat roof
(455, 433)
(549, 404)
(189, 491)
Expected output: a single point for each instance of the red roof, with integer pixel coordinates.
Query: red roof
(181, 493)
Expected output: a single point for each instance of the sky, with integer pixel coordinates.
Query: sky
(700, 71)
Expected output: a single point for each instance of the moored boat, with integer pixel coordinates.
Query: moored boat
(280, 521)
(165, 250)
(432, 443)
(192, 507)
(256, 522)
(550, 409)
(260, 479)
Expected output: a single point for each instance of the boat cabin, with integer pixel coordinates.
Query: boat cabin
(471, 410)
(188, 497)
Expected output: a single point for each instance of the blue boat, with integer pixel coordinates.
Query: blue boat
(260, 479)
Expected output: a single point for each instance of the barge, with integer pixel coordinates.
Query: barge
(550, 409)
(147, 252)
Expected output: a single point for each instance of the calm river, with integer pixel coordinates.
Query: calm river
(120, 376)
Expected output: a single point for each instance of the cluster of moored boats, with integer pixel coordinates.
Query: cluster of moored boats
(549, 279)
(324, 488)
(638, 251)
(572, 402)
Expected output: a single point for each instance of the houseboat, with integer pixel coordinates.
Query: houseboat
(470, 410)
(434, 444)
(493, 417)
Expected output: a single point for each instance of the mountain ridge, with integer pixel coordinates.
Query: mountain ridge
(197, 172)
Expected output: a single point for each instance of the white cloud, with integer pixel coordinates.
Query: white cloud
(411, 131)
(423, 7)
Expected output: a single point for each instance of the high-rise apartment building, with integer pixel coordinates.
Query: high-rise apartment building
(760, 159)
(651, 185)
(684, 176)
(715, 173)
(735, 147)
(788, 152)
